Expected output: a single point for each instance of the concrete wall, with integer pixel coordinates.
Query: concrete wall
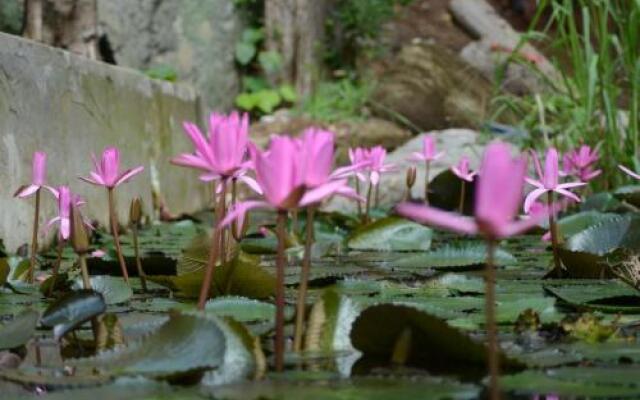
(69, 107)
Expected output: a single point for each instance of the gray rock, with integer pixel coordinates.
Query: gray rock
(197, 38)
(454, 142)
(69, 106)
(433, 89)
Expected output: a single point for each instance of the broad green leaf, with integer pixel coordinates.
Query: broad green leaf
(610, 296)
(451, 257)
(72, 310)
(185, 344)
(252, 35)
(267, 100)
(242, 309)
(572, 224)
(429, 341)
(18, 331)
(587, 382)
(245, 51)
(288, 93)
(246, 101)
(607, 235)
(391, 234)
(114, 290)
(270, 61)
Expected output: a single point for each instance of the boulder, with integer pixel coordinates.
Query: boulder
(196, 38)
(432, 88)
(364, 133)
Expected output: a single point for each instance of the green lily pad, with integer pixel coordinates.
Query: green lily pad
(243, 276)
(607, 235)
(241, 309)
(184, 345)
(19, 330)
(72, 310)
(113, 289)
(593, 383)
(391, 234)
(575, 223)
(429, 342)
(610, 296)
(452, 257)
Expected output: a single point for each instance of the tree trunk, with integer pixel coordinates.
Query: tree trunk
(295, 30)
(69, 24)
(33, 19)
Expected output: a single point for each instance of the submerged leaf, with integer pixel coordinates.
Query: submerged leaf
(391, 234)
(184, 345)
(434, 344)
(449, 257)
(19, 330)
(610, 296)
(113, 289)
(73, 310)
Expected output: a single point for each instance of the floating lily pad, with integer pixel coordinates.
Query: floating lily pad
(73, 310)
(19, 330)
(243, 276)
(575, 223)
(391, 234)
(610, 296)
(184, 345)
(629, 194)
(429, 341)
(241, 308)
(452, 257)
(113, 289)
(607, 235)
(593, 383)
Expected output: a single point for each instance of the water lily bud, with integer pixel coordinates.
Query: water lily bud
(79, 237)
(135, 211)
(411, 177)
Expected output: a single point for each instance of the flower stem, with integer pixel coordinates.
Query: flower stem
(553, 229)
(492, 332)
(56, 267)
(462, 194)
(86, 283)
(213, 252)
(234, 195)
(34, 239)
(280, 261)
(368, 204)
(304, 281)
(377, 196)
(357, 184)
(427, 170)
(141, 274)
(116, 235)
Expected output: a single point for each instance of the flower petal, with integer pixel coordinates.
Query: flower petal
(26, 191)
(436, 217)
(128, 174)
(322, 192)
(240, 209)
(629, 172)
(532, 197)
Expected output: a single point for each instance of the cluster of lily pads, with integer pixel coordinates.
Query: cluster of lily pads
(297, 174)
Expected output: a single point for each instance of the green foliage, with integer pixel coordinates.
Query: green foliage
(354, 26)
(162, 72)
(265, 100)
(340, 100)
(598, 98)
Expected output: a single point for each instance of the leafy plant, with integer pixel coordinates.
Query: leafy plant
(353, 27)
(163, 73)
(597, 99)
(340, 100)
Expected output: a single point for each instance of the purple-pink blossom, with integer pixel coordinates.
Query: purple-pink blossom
(497, 199)
(106, 172)
(549, 180)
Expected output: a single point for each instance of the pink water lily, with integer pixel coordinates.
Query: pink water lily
(376, 157)
(462, 171)
(497, 199)
(428, 153)
(629, 172)
(66, 200)
(38, 176)
(549, 180)
(107, 172)
(223, 154)
(282, 172)
(580, 163)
